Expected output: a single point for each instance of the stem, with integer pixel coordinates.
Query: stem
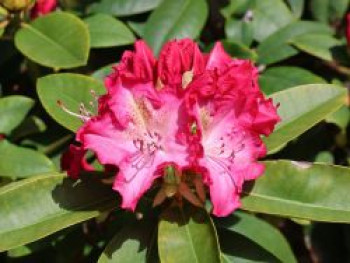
(340, 69)
(57, 144)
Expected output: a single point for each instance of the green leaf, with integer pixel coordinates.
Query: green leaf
(184, 234)
(280, 78)
(236, 7)
(341, 117)
(133, 243)
(175, 19)
(103, 72)
(319, 45)
(276, 48)
(311, 191)
(137, 27)
(21, 162)
(269, 16)
(300, 109)
(324, 157)
(239, 50)
(260, 232)
(239, 31)
(328, 10)
(36, 207)
(106, 31)
(57, 40)
(239, 249)
(124, 8)
(13, 110)
(297, 7)
(29, 126)
(71, 90)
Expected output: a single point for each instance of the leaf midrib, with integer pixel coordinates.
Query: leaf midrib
(276, 24)
(189, 236)
(320, 105)
(61, 214)
(288, 201)
(52, 41)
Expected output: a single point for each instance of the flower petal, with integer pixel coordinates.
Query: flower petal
(106, 138)
(136, 176)
(178, 57)
(73, 161)
(218, 58)
(224, 193)
(137, 66)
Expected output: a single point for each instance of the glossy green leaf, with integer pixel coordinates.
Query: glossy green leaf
(184, 234)
(29, 126)
(238, 50)
(239, 249)
(269, 16)
(297, 7)
(328, 10)
(124, 8)
(133, 243)
(260, 232)
(106, 31)
(13, 110)
(319, 45)
(324, 157)
(103, 72)
(71, 90)
(300, 109)
(175, 19)
(36, 207)
(239, 31)
(280, 78)
(276, 48)
(57, 40)
(21, 162)
(137, 27)
(318, 192)
(236, 7)
(341, 117)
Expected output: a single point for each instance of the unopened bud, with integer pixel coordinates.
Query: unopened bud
(16, 5)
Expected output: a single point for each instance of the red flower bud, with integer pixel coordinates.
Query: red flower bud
(347, 33)
(43, 7)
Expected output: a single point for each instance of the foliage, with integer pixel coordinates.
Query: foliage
(304, 62)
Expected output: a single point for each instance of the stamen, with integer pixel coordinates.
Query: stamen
(223, 168)
(84, 111)
(94, 103)
(80, 116)
(187, 79)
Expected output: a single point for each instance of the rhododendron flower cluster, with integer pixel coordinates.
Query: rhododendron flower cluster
(42, 7)
(200, 114)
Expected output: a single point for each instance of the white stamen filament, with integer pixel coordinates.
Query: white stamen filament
(81, 116)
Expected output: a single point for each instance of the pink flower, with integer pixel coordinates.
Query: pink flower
(138, 128)
(195, 112)
(42, 7)
(230, 113)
